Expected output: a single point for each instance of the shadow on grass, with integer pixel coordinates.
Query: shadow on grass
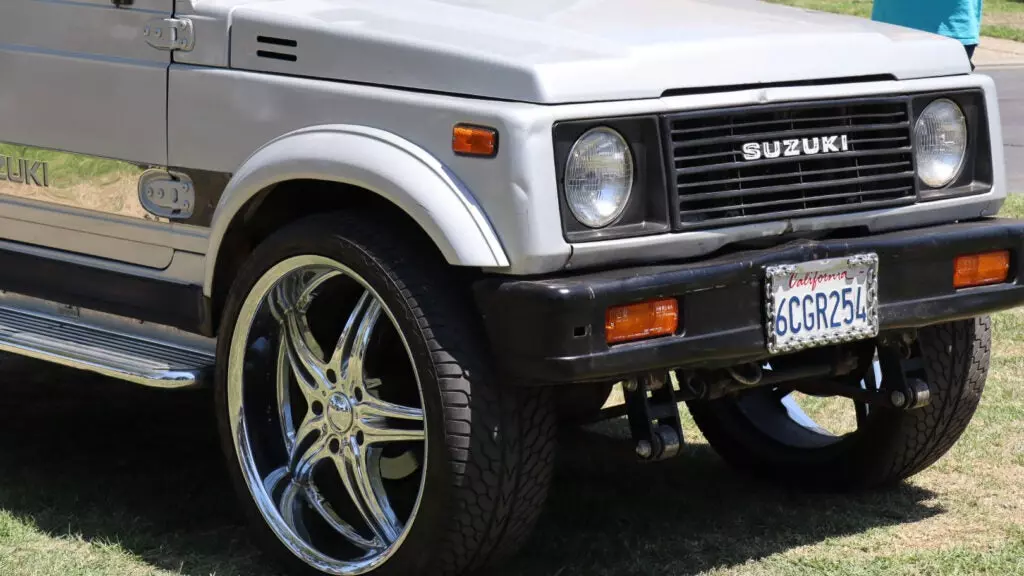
(115, 463)
(611, 515)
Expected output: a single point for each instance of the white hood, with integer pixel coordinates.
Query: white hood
(556, 51)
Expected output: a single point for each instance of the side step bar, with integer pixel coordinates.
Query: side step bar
(142, 360)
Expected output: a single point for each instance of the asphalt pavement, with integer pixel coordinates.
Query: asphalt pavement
(1010, 85)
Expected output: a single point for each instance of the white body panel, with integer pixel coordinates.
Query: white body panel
(517, 190)
(81, 70)
(80, 79)
(374, 160)
(374, 89)
(553, 51)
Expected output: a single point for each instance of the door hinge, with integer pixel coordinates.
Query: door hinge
(170, 34)
(166, 194)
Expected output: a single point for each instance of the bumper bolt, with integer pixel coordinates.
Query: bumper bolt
(898, 398)
(643, 449)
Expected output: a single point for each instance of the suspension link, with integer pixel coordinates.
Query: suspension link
(653, 412)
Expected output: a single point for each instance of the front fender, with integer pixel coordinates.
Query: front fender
(379, 161)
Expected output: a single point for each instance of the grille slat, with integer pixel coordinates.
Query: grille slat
(714, 185)
(795, 187)
(697, 157)
(803, 213)
(690, 160)
(828, 171)
(788, 134)
(787, 122)
(773, 203)
(905, 150)
(880, 140)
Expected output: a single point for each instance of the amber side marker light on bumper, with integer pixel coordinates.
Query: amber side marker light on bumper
(641, 320)
(469, 140)
(981, 269)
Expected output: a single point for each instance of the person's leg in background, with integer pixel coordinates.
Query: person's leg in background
(970, 53)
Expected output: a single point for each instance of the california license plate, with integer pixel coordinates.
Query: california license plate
(822, 302)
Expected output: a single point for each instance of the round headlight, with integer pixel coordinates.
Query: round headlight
(941, 142)
(598, 177)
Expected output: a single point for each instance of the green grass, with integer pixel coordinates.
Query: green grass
(103, 479)
(1002, 18)
(1006, 32)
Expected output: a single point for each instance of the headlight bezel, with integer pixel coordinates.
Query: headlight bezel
(646, 211)
(975, 175)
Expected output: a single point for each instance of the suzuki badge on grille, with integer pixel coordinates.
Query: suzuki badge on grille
(796, 147)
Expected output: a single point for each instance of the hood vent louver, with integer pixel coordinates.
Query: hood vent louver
(277, 54)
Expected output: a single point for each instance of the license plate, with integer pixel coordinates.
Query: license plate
(822, 302)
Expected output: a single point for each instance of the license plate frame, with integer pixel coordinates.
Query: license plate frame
(780, 278)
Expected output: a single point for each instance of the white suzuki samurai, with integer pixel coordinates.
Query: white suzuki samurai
(402, 240)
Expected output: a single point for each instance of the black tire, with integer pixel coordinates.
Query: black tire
(892, 445)
(484, 491)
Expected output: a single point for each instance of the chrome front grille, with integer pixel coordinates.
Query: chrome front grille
(713, 184)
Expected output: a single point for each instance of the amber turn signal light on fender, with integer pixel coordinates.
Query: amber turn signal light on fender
(981, 269)
(469, 140)
(641, 320)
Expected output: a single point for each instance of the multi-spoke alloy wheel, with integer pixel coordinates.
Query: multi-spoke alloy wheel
(345, 449)
(364, 430)
(769, 432)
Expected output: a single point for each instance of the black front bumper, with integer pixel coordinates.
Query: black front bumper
(551, 330)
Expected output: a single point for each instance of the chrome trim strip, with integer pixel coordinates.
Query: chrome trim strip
(97, 185)
(76, 180)
(115, 354)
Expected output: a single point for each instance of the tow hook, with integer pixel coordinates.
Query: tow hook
(904, 384)
(903, 378)
(653, 416)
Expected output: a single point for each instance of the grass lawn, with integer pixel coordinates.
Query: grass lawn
(1002, 18)
(104, 479)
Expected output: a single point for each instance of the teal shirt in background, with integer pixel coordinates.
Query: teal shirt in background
(959, 19)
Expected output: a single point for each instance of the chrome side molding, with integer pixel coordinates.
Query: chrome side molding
(121, 355)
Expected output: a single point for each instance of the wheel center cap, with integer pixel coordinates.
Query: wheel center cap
(339, 412)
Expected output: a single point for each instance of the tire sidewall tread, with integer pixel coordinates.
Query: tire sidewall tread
(486, 487)
(895, 444)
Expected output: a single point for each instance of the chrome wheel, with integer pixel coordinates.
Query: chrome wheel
(326, 413)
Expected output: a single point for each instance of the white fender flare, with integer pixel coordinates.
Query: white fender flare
(379, 161)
